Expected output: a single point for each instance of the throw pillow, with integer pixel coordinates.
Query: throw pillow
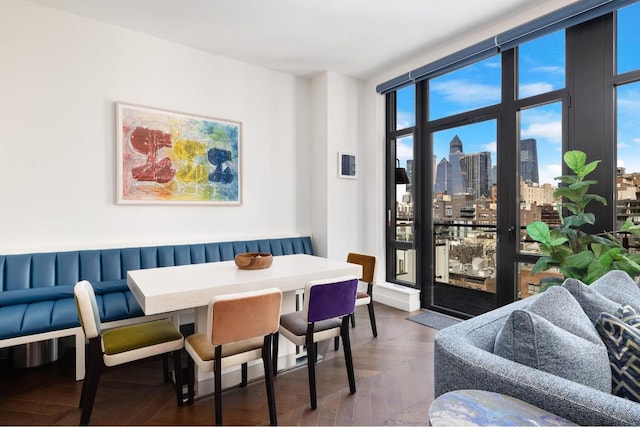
(618, 286)
(623, 345)
(558, 306)
(592, 302)
(532, 340)
(628, 315)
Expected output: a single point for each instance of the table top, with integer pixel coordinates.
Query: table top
(166, 289)
(485, 408)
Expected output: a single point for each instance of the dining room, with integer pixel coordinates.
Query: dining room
(390, 392)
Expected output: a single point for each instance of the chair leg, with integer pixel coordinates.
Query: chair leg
(218, 385)
(92, 378)
(311, 365)
(372, 315)
(268, 376)
(372, 318)
(336, 344)
(177, 373)
(191, 379)
(87, 368)
(346, 343)
(165, 367)
(243, 381)
(353, 319)
(274, 358)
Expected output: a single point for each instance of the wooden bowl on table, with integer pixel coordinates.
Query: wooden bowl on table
(254, 260)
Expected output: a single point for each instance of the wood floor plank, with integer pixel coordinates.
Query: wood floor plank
(394, 381)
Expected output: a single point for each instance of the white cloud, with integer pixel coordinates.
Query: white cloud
(404, 149)
(491, 147)
(548, 69)
(405, 119)
(530, 89)
(636, 140)
(550, 131)
(549, 172)
(465, 93)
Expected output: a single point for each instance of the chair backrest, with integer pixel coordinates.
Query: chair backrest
(367, 262)
(327, 299)
(87, 308)
(244, 315)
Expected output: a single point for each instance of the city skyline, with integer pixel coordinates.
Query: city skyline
(542, 69)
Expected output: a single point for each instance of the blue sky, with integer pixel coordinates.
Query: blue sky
(541, 65)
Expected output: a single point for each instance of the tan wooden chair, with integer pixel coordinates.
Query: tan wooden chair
(368, 264)
(240, 329)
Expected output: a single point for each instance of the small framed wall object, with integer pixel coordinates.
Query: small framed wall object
(347, 165)
(171, 157)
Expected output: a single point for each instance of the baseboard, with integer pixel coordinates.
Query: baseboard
(400, 297)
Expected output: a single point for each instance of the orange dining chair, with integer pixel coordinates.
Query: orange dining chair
(240, 329)
(325, 315)
(368, 264)
(121, 345)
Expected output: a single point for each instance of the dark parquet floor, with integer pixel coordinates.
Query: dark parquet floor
(394, 378)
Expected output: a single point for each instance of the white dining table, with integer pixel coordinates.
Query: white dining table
(171, 289)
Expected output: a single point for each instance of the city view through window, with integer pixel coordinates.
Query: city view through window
(465, 157)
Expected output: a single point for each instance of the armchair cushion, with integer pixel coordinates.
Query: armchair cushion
(534, 341)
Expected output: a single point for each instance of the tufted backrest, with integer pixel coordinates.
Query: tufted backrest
(40, 270)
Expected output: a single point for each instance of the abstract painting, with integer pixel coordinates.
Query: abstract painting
(171, 157)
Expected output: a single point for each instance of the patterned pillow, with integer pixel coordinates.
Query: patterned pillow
(621, 335)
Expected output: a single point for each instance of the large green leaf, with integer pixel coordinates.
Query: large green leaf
(607, 258)
(543, 264)
(580, 219)
(566, 179)
(575, 160)
(630, 227)
(580, 260)
(595, 271)
(568, 193)
(539, 231)
(591, 197)
(588, 168)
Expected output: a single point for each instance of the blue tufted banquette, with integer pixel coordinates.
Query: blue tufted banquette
(36, 290)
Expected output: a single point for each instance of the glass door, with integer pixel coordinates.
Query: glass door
(464, 212)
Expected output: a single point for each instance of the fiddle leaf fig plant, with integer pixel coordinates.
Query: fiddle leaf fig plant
(572, 251)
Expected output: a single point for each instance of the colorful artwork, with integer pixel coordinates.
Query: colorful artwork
(172, 157)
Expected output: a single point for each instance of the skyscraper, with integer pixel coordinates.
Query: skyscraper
(477, 167)
(443, 177)
(458, 182)
(529, 160)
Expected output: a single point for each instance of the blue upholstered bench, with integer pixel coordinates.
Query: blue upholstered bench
(36, 290)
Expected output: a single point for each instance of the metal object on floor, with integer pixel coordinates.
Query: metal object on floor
(33, 354)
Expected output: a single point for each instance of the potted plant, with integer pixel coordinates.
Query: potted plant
(574, 252)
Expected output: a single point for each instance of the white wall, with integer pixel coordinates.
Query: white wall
(59, 80)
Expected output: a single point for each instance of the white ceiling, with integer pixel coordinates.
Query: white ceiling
(352, 37)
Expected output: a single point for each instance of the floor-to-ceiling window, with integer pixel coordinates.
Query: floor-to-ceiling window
(487, 143)
(401, 259)
(627, 81)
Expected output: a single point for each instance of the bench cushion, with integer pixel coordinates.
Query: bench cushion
(36, 290)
